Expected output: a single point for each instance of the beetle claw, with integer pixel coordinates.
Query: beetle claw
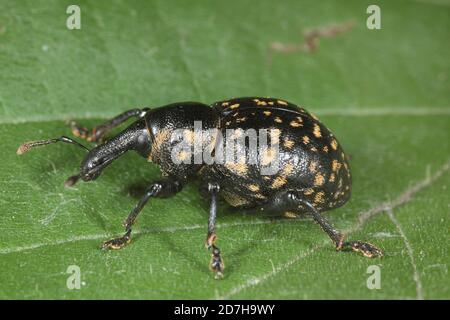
(368, 250)
(117, 243)
(216, 265)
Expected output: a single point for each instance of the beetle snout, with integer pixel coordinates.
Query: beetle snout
(92, 166)
(89, 171)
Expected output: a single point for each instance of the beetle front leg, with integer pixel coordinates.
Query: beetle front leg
(98, 132)
(164, 188)
(216, 265)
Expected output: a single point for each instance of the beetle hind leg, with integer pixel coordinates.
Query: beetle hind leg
(294, 201)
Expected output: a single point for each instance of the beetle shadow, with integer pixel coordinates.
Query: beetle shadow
(136, 190)
(233, 258)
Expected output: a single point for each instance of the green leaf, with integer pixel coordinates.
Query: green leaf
(384, 93)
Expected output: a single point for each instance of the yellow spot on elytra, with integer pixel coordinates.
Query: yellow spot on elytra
(237, 133)
(335, 165)
(234, 106)
(278, 120)
(319, 198)
(319, 180)
(316, 131)
(288, 144)
(160, 138)
(267, 113)
(284, 103)
(281, 180)
(313, 166)
(308, 191)
(275, 136)
(234, 199)
(295, 124)
(253, 187)
(189, 136)
(288, 169)
(305, 139)
(270, 102)
(239, 168)
(224, 104)
(313, 149)
(268, 155)
(241, 119)
(290, 215)
(334, 144)
(183, 155)
(332, 177)
(260, 102)
(278, 182)
(325, 149)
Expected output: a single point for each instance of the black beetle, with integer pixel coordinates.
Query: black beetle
(311, 173)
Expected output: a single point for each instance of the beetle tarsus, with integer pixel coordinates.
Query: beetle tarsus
(82, 132)
(366, 249)
(117, 243)
(97, 133)
(216, 265)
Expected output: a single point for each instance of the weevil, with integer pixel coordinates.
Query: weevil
(312, 175)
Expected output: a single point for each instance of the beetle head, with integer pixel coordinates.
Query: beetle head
(94, 162)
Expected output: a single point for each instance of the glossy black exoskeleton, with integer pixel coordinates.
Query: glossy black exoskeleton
(311, 172)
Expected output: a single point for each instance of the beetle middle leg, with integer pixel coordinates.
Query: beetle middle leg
(98, 132)
(294, 201)
(216, 265)
(163, 188)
